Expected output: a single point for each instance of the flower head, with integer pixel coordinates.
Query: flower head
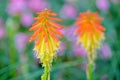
(90, 30)
(45, 34)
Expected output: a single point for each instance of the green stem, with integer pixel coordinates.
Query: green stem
(46, 75)
(90, 71)
(90, 67)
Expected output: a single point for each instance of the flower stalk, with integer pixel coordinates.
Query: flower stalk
(46, 75)
(91, 33)
(90, 71)
(90, 67)
(46, 32)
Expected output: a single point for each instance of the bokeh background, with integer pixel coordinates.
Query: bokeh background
(17, 58)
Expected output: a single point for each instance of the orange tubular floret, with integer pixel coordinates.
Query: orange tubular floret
(58, 26)
(54, 37)
(56, 32)
(38, 41)
(55, 19)
(53, 14)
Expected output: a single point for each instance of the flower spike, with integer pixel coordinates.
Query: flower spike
(90, 34)
(90, 30)
(46, 33)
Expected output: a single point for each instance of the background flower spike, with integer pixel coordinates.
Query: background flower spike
(90, 34)
(45, 34)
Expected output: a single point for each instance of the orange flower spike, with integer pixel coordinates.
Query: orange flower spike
(45, 34)
(91, 33)
(91, 29)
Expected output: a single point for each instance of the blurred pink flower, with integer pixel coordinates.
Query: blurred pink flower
(69, 33)
(61, 49)
(78, 50)
(102, 4)
(37, 5)
(2, 30)
(21, 40)
(105, 51)
(26, 19)
(16, 6)
(68, 11)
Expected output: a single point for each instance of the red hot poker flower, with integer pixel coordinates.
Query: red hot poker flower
(46, 32)
(90, 30)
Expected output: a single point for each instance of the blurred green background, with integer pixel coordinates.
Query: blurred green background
(17, 58)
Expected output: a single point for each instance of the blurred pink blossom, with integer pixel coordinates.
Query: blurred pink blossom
(69, 33)
(26, 19)
(102, 4)
(105, 51)
(68, 11)
(16, 6)
(2, 30)
(21, 40)
(37, 5)
(61, 49)
(78, 50)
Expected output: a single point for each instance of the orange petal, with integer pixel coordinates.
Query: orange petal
(53, 14)
(56, 19)
(58, 26)
(46, 36)
(36, 23)
(54, 37)
(35, 34)
(98, 26)
(33, 37)
(56, 31)
(33, 28)
(39, 40)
